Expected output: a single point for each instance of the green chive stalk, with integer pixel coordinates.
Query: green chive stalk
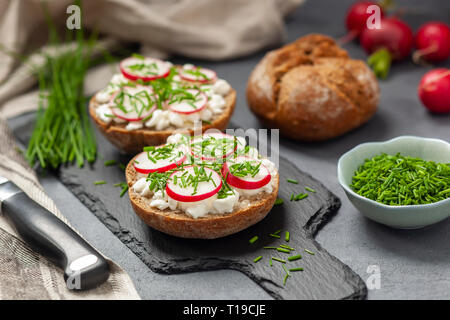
(63, 133)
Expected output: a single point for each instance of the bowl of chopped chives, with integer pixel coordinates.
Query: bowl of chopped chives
(403, 183)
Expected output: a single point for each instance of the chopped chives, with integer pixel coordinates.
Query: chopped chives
(292, 181)
(292, 197)
(121, 166)
(308, 251)
(285, 278)
(270, 262)
(269, 247)
(287, 247)
(296, 257)
(296, 269)
(279, 201)
(283, 250)
(300, 196)
(99, 182)
(286, 270)
(310, 189)
(274, 236)
(253, 240)
(110, 163)
(257, 259)
(279, 260)
(124, 190)
(277, 232)
(287, 236)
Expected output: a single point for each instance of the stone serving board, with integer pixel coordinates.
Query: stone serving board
(324, 276)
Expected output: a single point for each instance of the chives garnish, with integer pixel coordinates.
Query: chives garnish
(296, 269)
(253, 240)
(269, 247)
(122, 166)
(310, 252)
(277, 232)
(292, 197)
(296, 257)
(287, 236)
(310, 189)
(398, 180)
(283, 250)
(274, 236)
(110, 163)
(285, 278)
(270, 262)
(257, 259)
(124, 190)
(300, 196)
(286, 270)
(287, 247)
(279, 260)
(278, 201)
(99, 182)
(292, 181)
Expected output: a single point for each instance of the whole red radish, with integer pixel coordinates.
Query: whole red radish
(434, 90)
(356, 18)
(433, 42)
(392, 41)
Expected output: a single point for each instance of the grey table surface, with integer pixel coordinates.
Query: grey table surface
(414, 264)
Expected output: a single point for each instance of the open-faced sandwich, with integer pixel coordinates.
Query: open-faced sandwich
(206, 186)
(150, 99)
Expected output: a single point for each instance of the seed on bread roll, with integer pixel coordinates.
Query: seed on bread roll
(311, 90)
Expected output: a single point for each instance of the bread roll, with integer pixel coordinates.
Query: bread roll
(311, 90)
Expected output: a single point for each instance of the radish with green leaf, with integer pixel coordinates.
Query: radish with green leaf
(392, 41)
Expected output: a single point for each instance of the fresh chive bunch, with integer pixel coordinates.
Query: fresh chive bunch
(399, 180)
(63, 132)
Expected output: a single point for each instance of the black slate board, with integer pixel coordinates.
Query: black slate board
(324, 276)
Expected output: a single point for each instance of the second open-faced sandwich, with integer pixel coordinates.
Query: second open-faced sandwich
(207, 186)
(150, 99)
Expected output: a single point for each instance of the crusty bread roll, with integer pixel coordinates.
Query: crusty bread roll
(211, 226)
(311, 90)
(133, 141)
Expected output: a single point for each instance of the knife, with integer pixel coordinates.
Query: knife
(84, 268)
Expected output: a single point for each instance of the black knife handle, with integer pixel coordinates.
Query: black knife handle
(83, 266)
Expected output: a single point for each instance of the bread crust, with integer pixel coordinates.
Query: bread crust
(311, 90)
(211, 226)
(133, 141)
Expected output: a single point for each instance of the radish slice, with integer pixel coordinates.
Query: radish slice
(198, 74)
(186, 192)
(154, 161)
(136, 103)
(247, 182)
(213, 146)
(146, 69)
(195, 101)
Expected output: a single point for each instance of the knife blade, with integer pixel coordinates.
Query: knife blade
(84, 268)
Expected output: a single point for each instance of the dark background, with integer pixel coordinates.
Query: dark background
(414, 264)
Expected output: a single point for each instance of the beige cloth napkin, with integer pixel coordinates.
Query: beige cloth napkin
(206, 29)
(24, 274)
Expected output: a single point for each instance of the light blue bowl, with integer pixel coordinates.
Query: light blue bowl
(403, 217)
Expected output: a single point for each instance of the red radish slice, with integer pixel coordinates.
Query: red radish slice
(188, 106)
(140, 99)
(197, 74)
(248, 182)
(143, 164)
(205, 189)
(146, 69)
(207, 152)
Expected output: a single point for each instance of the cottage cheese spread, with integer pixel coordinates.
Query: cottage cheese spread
(164, 118)
(211, 205)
